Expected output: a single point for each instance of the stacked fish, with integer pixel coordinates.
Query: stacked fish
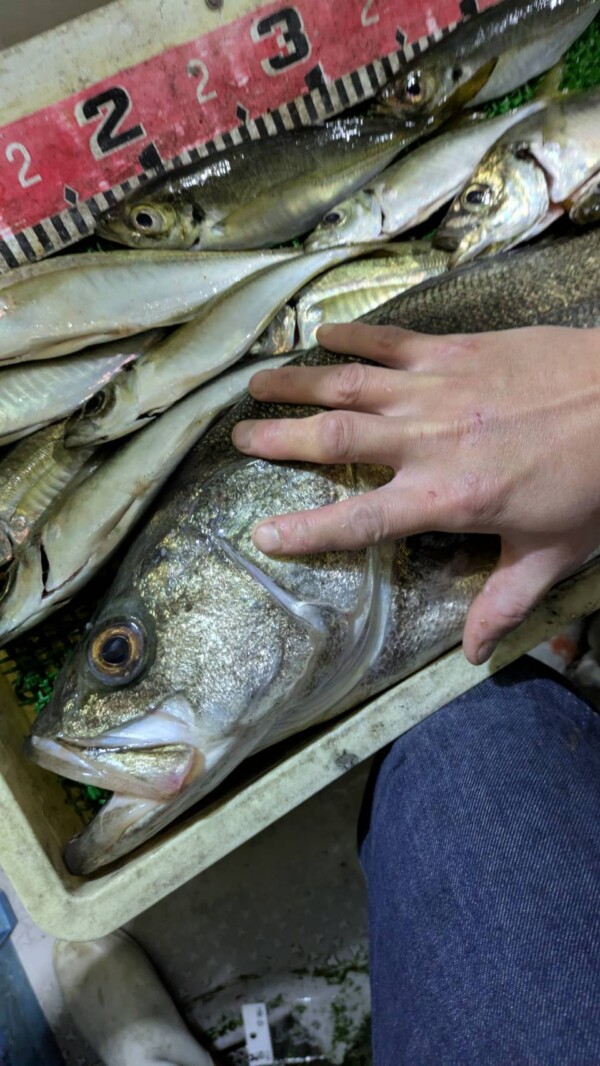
(115, 365)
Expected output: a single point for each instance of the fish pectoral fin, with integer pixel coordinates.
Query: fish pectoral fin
(469, 89)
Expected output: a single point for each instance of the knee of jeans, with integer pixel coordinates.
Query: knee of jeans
(524, 706)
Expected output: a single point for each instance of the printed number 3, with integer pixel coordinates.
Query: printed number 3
(15, 151)
(288, 28)
(112, 106)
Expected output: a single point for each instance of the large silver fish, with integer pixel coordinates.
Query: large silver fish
(257, 194)
(67, 303)
(486, 57)
(205, 650)
(527, 179)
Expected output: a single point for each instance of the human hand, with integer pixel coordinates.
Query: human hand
(485, 433)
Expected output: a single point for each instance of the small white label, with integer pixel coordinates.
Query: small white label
(258, 1034)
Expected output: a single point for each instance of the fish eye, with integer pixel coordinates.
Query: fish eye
(457, 74)
(413, 89)
(147, 221)
(332, 218)
(117, 652)
(96, 404)
(477, 196)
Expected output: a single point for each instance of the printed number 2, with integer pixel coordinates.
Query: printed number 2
(197, 68)
(112, 106)
(288, 28)
(366, 18)
(13, 152)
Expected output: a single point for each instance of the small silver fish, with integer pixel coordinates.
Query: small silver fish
(261, 193)
(421, 182)
(527, 179)
(200, 350)
(90, 511)
(349, 291)
(35, 394)
(486, 57)
(67, 303)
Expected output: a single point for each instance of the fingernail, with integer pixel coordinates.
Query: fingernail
(242, 435)
(485, 650)
(259, 383)
(267, 538)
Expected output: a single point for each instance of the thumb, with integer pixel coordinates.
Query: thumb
(523, 575)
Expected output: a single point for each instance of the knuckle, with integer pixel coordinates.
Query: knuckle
(350, 383)
(369, 524)
(336, 435)
(473, 499)
(387, 340)
(451, 346)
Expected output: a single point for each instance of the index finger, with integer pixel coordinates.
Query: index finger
(390, 345)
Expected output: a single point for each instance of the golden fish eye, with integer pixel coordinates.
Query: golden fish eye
(147, 220)
(116, 652)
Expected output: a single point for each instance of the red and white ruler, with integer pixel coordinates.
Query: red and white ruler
(260, 71)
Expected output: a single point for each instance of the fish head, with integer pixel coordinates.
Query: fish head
(178, 676)
(434, 86)
(506, 198)
(354, 221)
(112, 412)
(144, 221)
(586, 209)
(280, 335)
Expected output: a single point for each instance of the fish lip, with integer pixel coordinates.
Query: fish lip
(77, 757)
(446, 241)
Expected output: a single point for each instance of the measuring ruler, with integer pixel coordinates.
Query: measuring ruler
(243, 71)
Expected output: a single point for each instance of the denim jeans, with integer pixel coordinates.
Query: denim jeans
(480, 842)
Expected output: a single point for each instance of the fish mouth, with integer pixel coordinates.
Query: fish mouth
(446, 240)
(154, 757)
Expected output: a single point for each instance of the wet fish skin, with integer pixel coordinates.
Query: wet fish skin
(65, 304)
(33, 395)
(211, 342)
(527, 179)
(238, 650)
(257, 194)
(585, 204)
(88, 514)
(486, 57)
(349, 291)
(410, 190)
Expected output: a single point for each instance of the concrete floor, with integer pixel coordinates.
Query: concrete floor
(281, 921)
(29, 17)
